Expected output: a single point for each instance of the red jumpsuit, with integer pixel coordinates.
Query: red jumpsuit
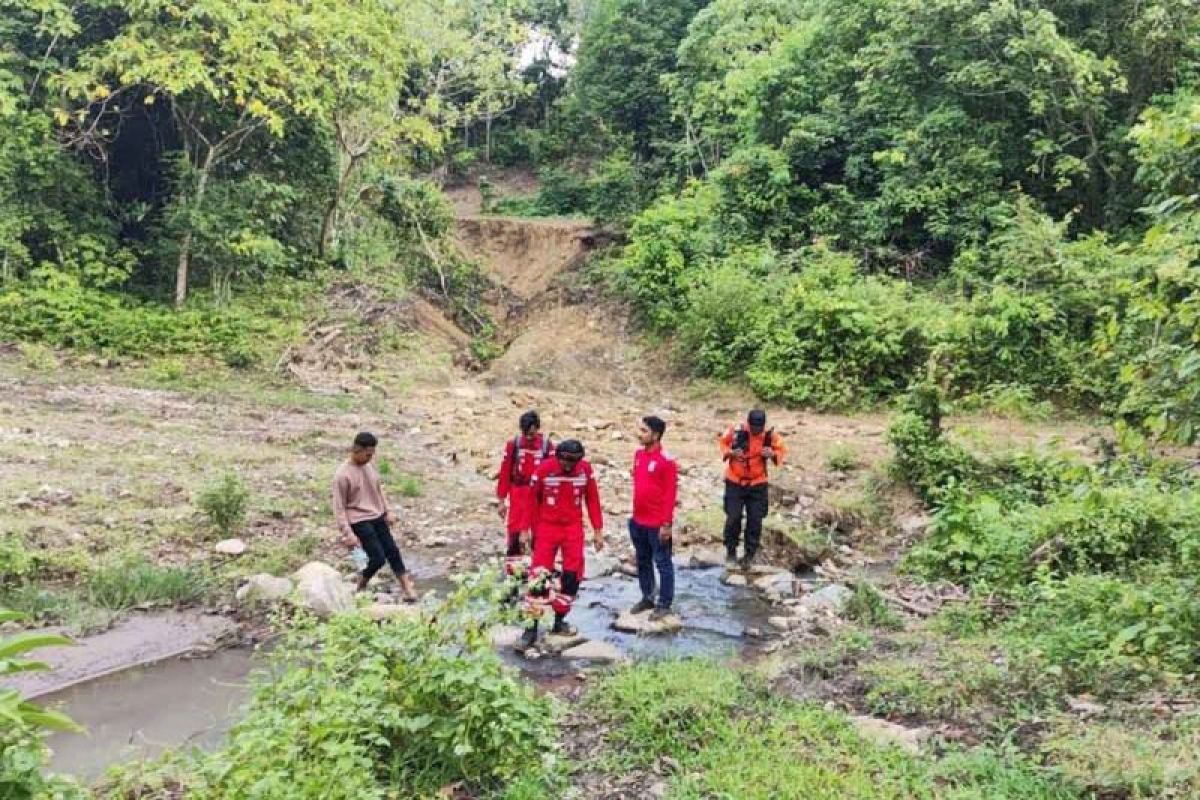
(522, 457)
(558, 501)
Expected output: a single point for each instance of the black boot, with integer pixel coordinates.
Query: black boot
(528, 639)
(562, 627)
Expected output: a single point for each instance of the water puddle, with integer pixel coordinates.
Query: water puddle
(141, 712)
(715, 619)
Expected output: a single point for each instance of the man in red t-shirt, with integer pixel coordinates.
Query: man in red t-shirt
(522, 456)
(655, 485)
(562, 486)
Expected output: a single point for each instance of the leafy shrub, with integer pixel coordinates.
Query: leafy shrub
(15, 559)
(23, 753)
(1109, 635)
(841, 457)
(868, 606)
(224, 503)
(353, 709)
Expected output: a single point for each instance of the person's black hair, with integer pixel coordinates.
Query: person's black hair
(365, 439)
(656, 424)
(569, 446)
(529, 420)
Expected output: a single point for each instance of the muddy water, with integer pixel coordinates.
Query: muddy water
(141, 712)
(715, 620)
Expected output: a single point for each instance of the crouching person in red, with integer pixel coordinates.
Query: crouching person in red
(562, 485)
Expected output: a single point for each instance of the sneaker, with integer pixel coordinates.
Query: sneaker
(731, 561)
(527, 641)
(659, 614)
(563, 628)
(643, 606)
(746, 563)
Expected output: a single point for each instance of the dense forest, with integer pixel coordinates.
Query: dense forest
(1006, 189)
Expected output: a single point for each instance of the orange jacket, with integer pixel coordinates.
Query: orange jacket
(750, 468)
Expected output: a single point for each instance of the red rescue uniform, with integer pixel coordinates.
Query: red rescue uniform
(559, 498)
(522, 456)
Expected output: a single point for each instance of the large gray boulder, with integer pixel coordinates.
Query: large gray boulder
(598, 652)
(320, 589)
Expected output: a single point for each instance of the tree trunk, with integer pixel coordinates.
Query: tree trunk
(329, 222)
(487, 148)
(185, 247)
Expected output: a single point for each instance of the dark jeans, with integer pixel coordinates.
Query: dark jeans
(753, 499)
(651, 553)
(376, 539)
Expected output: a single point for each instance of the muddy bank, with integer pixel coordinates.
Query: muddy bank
(137, 640)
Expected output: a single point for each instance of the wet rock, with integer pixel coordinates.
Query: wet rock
(831, 598)
(600, 565)
(505, 636)
(263, 588)
(321, 589)
(777, 587)
(600, 652)
(554, 643)
(704, 559)
(882, 732)
(753, 633)
(230, 547)
(382, 611)
(734, 579)
(782, 623)
(642, 624)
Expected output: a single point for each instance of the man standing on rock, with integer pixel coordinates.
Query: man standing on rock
(363, 514)
(655, 485)
(562, 485)
(747, 448)
(523, 454)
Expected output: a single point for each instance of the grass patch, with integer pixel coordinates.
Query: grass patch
(842, 457)
(869, 607)
(1115, 759)
(133, 582)
(732, 739)
(965, 679)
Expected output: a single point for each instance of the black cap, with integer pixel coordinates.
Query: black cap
(757, 419)
(569, 447)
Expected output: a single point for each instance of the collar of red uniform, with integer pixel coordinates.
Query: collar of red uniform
(654, 448)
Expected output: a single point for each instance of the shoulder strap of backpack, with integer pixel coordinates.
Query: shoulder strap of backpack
(514, 467)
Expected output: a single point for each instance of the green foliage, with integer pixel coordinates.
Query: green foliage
(868, 606)
(224, 502)
(132, 581)
(16, 561)
(841, 457)
(23, 752)
(733, 739)
(357, 709)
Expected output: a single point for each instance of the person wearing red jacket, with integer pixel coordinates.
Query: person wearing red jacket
(523, 454)
(655, 485)
(562, 486)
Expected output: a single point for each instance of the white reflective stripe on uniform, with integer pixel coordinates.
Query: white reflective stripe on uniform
(555, 480)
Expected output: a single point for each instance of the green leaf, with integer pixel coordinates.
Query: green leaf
(30, 640)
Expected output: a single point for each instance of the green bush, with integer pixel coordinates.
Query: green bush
(15, 559)
(352, 709)
(1110, 635)
(224, 503)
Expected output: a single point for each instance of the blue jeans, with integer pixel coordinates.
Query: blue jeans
(653, 553)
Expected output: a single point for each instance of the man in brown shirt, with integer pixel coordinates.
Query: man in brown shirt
(362, 513)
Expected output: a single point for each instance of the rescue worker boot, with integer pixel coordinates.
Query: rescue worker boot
(562, 627)
(528, 640)
(363, 580)
(731, 559)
